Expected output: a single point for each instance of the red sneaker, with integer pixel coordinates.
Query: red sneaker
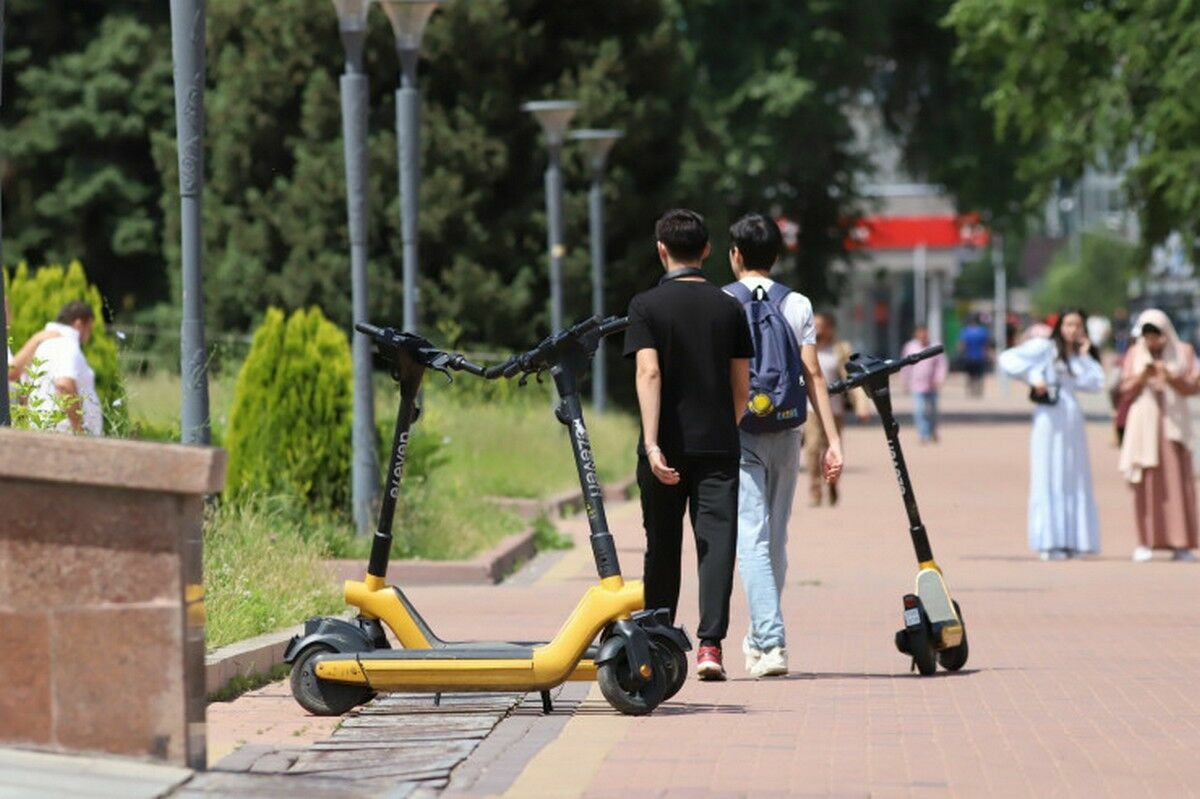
(708, 663)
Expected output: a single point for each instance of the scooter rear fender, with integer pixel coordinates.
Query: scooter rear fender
(339, 634)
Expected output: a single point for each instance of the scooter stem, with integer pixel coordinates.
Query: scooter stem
(410, 374)
(881, 395)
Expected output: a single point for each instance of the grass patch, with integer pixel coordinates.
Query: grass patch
(263, 570)
(547, 537)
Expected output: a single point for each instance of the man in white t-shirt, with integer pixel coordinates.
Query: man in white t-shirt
(770, 462)
(66, 377)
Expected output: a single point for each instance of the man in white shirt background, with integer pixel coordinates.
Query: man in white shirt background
(66, 378)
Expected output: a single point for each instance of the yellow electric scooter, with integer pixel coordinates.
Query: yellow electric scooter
(934, 631)
(639, 659)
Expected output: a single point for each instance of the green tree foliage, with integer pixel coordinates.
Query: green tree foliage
(37, 296)
(936, 106)
(769, 128)
(1098, 281)
(289, 426)
(86, 83)
(1095, 82)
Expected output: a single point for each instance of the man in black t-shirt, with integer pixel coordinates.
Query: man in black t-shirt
(693, 348)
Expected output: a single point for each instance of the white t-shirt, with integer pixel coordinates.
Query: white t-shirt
(61, 357)
(797, 309)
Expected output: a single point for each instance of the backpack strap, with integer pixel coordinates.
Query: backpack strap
(777, 294)
(739, 291)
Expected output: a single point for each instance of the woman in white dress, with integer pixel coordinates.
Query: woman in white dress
(1063, 520)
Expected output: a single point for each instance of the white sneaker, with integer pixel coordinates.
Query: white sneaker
(752, 655)
(1054, 554)
(1185, 555)
(773, 663)
(1143, 554)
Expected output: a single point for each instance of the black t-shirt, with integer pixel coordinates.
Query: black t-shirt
(697, 329)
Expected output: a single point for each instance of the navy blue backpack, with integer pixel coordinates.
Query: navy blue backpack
(778, 397)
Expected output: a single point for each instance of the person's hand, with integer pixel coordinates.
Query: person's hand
(658, 464)
(1039, 389)
(833, 462)
(863, 415)
(1085, 346)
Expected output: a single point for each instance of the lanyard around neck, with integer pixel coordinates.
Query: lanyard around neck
(682, 272)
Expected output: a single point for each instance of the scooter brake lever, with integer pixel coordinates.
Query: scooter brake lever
(524, 379)
(539, 376)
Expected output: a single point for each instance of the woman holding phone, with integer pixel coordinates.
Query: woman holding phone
(1063, 519)
(1158, 376)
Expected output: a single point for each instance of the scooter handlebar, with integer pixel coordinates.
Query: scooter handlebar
(875, 367)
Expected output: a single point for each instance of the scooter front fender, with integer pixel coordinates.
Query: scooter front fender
(627, 639)
(339, 634)
(658, 622)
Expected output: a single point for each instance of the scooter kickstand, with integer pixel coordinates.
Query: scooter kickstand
(547, 705)
(437, 699)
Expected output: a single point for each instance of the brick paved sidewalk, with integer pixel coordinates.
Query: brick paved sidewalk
(1082, 680)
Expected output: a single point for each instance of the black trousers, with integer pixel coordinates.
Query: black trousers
(708, 491)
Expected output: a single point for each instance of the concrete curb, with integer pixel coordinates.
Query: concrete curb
(258, 655)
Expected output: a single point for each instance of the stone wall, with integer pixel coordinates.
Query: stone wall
(101, 596)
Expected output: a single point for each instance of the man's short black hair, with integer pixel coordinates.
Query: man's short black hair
(683, 233)
(74, 311)
(758, 239)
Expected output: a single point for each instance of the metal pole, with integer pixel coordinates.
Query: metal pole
(554, 236)
(4, 399)
(364, 467)
(935, 307)
(187, 48)
(408, 122)
(1000, 306)
(920, 287)
(596, 234)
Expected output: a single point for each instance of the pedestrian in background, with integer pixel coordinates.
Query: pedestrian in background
(1063, 519)
(832, 355)
(924, 380)
(19, 363)
(786, 373)
(974, 340)
(1159, 374)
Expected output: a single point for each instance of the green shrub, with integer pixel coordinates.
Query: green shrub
(289, 426)
(38, 295)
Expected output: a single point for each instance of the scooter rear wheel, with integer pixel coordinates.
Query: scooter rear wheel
(955, 657)
(319, 697)
(921, 648)
(617, 684)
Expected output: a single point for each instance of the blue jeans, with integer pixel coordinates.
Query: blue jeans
(770, 466)
(925, 412)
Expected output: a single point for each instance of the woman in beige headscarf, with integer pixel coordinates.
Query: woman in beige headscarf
(1159, 374)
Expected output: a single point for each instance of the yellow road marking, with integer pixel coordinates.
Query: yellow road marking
(584, 743)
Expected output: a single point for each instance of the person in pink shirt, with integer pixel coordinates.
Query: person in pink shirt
(923, 380)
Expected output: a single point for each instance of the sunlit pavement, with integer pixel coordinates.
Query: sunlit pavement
(1084, 677)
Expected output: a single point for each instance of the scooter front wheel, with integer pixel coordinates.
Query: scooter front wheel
(319, 697)
(676, 662)
(955, 657)
(619, 688)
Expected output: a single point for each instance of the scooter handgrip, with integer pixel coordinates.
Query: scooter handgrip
(613, 324)
(369, 330)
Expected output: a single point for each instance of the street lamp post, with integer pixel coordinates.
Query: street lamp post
(187, 48)
(599, 143)
(364, 471)
(408, 18)
(554, 116)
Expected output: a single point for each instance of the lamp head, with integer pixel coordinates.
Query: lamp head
(599, 143)
(352, 25)
(554, 116)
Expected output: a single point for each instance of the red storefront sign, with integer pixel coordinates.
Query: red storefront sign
(946, 231)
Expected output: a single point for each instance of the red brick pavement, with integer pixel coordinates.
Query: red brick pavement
(1084, 677)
